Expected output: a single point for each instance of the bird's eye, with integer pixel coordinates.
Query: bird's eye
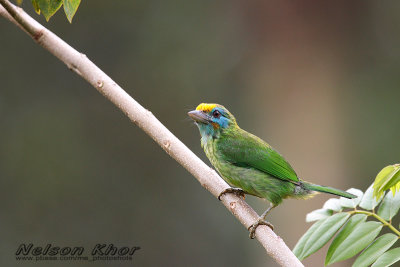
(216, 114)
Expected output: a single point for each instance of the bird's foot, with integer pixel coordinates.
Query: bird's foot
(254, 226)
(237, 191)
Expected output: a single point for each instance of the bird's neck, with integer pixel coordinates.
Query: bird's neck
(208, 133)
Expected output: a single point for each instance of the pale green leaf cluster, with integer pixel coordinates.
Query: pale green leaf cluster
(49, 7)
(387, 178)
(354, 227)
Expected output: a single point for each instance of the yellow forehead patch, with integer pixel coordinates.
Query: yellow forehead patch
(206, 107)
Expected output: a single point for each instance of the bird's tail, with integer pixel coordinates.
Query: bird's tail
(327, 189)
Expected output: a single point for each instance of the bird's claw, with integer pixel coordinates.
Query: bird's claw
(252, 228)
(237, 191)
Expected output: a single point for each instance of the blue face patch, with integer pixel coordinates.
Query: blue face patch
(219, 116)
(220, 119)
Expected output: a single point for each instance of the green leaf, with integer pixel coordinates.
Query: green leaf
(36, 7)
(19, 2)
(351, 203)
(49, 7)
(395, 188)
(390, 206)
(343, 234)
(333, 204)
(371, 253)
(352, 240)
(368, 202)
(390, 257)
(319, 214)
(298, 249)
(394, 178)
(70, 8)
(380, 179)
(323, 233)
(386, 178)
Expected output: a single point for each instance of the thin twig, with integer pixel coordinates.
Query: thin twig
(207, 177)
(379, 218)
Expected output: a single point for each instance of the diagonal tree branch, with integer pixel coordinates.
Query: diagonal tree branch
(207, 177)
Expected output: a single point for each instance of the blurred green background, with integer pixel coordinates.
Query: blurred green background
(319, 81)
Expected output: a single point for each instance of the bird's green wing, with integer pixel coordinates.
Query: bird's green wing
(246, 150)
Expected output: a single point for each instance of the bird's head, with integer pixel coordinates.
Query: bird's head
(212, 119)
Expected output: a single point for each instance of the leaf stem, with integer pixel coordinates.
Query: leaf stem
(379, 218)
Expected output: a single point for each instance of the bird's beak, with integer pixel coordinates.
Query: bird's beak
(199, 116)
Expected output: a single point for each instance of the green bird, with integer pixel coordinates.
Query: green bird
(249, 164)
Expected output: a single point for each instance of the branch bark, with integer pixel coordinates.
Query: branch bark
(207, 177)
